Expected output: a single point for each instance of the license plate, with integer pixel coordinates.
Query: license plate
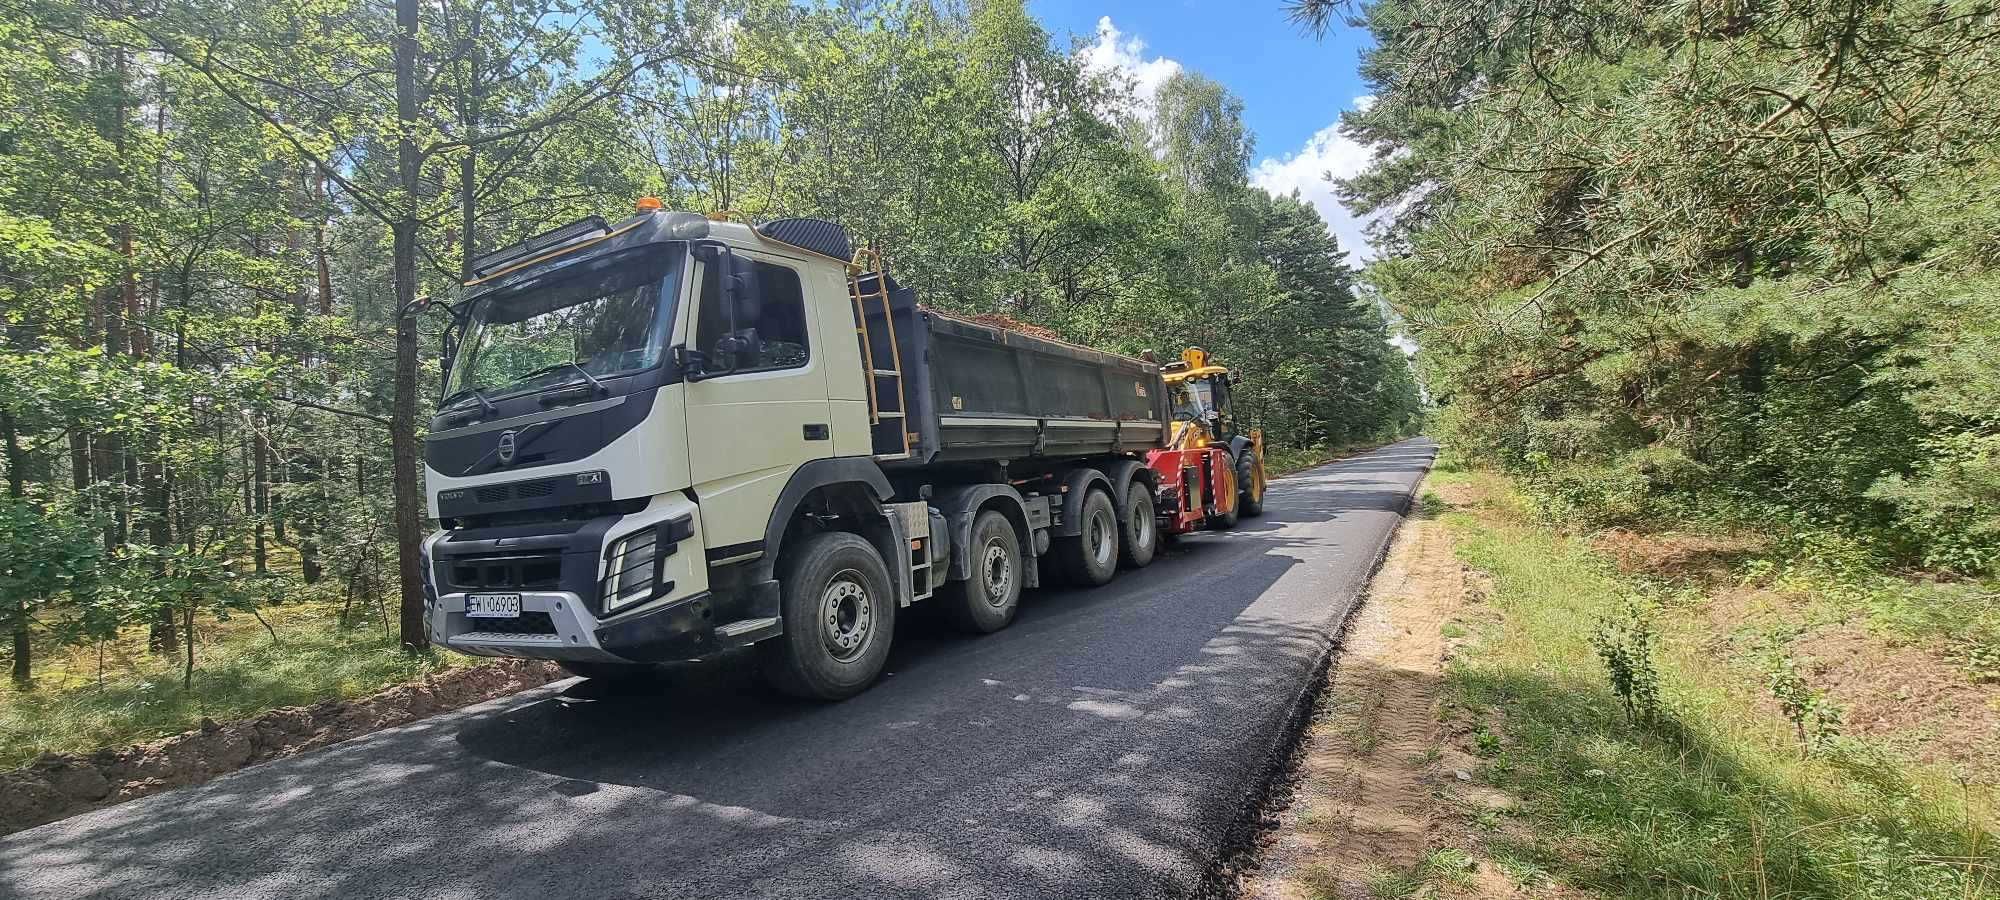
(493, 606)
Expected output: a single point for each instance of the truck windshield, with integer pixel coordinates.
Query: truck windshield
(608, 321)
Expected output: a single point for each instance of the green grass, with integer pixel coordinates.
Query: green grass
(1715, 797)
(1446, 866)
(239, 675)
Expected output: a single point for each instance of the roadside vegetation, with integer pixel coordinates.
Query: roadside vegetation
(1666, 713)
(1706, 301)
(1691, 729)
(113, 693)
(1708, 264)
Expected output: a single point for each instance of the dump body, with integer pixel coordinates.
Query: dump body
(980, 393)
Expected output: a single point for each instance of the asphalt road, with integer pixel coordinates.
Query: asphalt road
(1100, 747)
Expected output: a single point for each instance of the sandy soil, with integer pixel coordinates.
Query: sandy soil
(1384, 777)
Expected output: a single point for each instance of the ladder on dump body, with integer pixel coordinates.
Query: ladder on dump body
(859, 267)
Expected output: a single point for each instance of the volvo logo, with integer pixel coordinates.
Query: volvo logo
(506, 448)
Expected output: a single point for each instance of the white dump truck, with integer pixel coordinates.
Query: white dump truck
(670, 436)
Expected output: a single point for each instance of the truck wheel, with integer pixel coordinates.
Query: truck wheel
(1250, 503)
(840, 617)
(1091, 558)
(986, 601)
(1138, 532)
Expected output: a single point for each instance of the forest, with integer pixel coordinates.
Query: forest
(1725, 262)
(227, 228)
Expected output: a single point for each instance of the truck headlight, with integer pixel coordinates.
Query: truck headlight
(636, 564)
(634, 569)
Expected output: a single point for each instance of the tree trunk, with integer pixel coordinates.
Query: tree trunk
(403, 416)
(79, 457)
(468, 162)
(108, 450)
(154, 493)
(320, 263)
(17, 487)
(260, 489)
(310, 569)
(187, 617)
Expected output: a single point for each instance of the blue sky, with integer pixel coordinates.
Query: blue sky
(1293, 86)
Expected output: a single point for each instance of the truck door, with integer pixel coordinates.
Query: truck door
(762, 410)
(1225, 413)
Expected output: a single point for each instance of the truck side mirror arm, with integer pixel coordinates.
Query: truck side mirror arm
(692, 363)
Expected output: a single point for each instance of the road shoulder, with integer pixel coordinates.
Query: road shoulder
(1383, 778)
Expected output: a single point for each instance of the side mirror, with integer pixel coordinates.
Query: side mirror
(737, 280)
(740, 294)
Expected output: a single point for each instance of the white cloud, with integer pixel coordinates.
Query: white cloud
(1327, 154)
(1117, 53)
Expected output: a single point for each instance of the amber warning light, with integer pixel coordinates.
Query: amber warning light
(648, 204)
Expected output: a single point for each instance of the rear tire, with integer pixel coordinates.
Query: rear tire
(988, 598)
(1250, 499)
(1138, 531)
(840, 618)
(1090, 558)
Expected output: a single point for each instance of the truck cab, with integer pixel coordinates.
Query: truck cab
(575, 508)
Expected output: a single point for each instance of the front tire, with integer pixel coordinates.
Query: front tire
(840, 618)
(1091, 557)
(988, 598)
(1250, 502)
(1138, 531)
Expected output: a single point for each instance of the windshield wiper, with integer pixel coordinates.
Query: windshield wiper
(596, 385)
(476, 392)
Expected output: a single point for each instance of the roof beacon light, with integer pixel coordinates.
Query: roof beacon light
(649, 204)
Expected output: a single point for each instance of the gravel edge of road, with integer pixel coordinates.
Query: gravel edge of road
(1257, 819)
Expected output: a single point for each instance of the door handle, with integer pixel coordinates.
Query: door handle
(817, 431)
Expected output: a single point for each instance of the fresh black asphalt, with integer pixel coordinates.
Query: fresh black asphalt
(1100, 747)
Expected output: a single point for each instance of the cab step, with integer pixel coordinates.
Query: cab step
(748, 631)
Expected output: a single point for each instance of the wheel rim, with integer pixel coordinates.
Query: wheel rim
(997, 573)
(1142, 522)
(1101, 527)
(846, 617)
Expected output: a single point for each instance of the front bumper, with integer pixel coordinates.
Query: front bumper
(682, 629)
(562, 571)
